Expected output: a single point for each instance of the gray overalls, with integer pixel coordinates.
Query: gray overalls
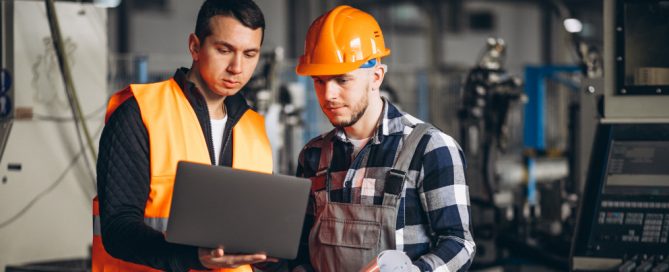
(347, 236)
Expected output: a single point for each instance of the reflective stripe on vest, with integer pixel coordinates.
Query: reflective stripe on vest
(170, 122)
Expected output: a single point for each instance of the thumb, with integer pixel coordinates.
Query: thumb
(218, 252)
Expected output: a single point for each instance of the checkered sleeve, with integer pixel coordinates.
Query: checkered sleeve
(444, 196)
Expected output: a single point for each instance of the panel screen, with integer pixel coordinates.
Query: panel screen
(638, 168)
(641, 54)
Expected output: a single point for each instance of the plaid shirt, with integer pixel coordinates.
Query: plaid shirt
(433, 217)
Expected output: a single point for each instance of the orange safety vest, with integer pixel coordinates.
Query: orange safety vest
(175, 134)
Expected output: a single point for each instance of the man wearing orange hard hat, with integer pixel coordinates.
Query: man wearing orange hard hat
(382, 179)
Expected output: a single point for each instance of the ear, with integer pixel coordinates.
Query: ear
(194, 46)
(379, 74)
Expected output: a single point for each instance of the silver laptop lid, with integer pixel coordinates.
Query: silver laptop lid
(245, 212)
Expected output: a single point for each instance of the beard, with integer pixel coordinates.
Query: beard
(358, 110)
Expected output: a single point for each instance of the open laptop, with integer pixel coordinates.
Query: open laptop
(245, 212)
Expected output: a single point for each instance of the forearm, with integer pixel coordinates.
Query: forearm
(125, 235)
(451, 253)
(127, 238)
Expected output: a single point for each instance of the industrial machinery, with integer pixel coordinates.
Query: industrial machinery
(489, 92)
(625, 208)
(623, 222)
(522, 198)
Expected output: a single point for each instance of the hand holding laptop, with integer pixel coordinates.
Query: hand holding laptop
(216, 258)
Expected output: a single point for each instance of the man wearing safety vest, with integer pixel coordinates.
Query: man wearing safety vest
(197, 115)
(382, 179)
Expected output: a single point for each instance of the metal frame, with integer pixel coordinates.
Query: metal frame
(621, 87)
(535, 117)
(625, 108)
(6, 64)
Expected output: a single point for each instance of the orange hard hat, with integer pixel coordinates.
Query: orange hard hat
(341, 41)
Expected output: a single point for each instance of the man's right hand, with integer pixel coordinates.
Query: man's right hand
(216, 258)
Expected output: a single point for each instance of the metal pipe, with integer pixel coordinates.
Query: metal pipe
(71, 92)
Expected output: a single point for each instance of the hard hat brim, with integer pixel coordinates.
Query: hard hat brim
(327, 69)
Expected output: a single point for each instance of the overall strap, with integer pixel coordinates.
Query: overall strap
(395, 180)
(326, 160)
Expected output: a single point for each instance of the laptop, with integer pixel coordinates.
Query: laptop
(243, 211)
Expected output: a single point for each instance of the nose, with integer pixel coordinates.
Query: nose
(235, 65)
(330, 91)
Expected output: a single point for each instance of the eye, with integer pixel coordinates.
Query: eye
(223, 50)
(251, 54)
(318, 81)
(342, 80)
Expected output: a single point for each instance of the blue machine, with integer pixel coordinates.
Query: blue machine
(534, 137)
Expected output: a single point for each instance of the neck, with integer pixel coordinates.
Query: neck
(215, 102)
(367, 125)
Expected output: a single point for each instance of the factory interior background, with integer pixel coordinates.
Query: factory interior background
(561, 108)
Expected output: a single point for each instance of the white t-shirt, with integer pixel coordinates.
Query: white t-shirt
(217, 128)
(358, 145)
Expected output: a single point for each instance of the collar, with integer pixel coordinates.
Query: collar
(235, 105)
(391, 122)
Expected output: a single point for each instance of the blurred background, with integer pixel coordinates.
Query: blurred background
(560, 106)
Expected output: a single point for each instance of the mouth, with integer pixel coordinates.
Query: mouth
(230, 83)
(335, 108)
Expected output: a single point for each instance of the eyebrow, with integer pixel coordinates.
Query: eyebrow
(226, 44)
(346, 76)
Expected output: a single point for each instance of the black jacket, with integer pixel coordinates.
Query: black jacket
(123, 181)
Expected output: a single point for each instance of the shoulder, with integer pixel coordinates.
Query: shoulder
(435, 140)
(253, 116)
(312, 149)
(317, 142)
(439, 139)
(125, 123)
(128, 110)
(124, 129)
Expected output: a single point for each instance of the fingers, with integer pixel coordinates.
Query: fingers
(240, 259)
(232, 261)
(216, 258)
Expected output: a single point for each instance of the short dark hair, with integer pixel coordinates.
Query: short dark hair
(245, 11)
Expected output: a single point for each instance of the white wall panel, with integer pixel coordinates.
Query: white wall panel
(58, 225)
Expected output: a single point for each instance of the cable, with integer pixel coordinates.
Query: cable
(93, 114)
(89, 168)
(67, 78)
(75, 106)
(43, 193)
(51, 187)
(89, 116)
